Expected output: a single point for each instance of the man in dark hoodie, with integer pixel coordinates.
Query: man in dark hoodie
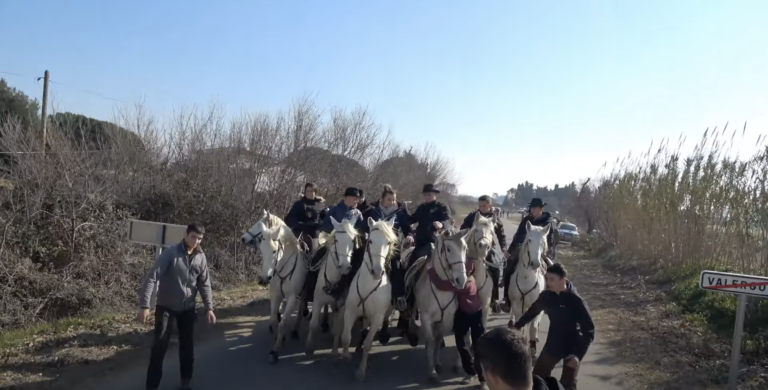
(537, 217)
(506, 362)
(306, 215)
(571, 329)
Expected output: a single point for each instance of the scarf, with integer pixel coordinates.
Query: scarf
(387, 211)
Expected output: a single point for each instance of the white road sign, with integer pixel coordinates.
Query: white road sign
(734, 283)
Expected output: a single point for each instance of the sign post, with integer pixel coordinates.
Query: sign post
(157, 234)
(743, 286)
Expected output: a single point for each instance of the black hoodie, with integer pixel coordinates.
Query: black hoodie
(571, 329)
(544, 220)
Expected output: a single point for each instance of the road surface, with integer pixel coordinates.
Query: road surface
(238, 361)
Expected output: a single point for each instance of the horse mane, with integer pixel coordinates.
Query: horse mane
(348, 227)
(392, 237)
(272, 221)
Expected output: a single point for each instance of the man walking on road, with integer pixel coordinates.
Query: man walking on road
(571, 329)
(506, 361)
(182, 270)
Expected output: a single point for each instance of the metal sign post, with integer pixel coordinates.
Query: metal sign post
(743, 286)
(157, 234)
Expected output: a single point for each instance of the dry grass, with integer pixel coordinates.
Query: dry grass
(60, 354)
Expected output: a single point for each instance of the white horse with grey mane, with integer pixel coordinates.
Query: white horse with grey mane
(341, 243)
(370, 295)
(437, 308)
(527, 282)
(283, 268)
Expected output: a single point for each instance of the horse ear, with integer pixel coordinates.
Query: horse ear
(391, 223)
(370, 223)
(547, 228)
(446, 233)
(335, 223)
(477, 218)
(463, 233)
(528, 226)
(264, 213)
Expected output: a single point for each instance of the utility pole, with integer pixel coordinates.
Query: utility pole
(45, 108)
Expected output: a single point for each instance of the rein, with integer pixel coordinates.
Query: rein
(276, 260)
(526, 266)
(369, 265)
(439, 255)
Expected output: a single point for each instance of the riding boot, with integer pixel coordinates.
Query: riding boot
(495, 275)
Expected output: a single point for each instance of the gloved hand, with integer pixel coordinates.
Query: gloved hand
(401, 304)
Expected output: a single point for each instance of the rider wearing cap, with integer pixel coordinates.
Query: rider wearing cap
(346, 209)
(537, 217)
(486, 209)
(431, 216)
(306, 215)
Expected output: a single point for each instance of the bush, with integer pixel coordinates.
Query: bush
(63, 212)
(680, 215)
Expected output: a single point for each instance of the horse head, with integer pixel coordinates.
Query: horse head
(266, 236)
(382, 243)
(342, 243)
(480, 237)
(452, 256)
(535, 244)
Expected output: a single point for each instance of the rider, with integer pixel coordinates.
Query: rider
(307, 214)
(486, 209)
(347, 208)
(431, 216)
(571, 329)
(388, 208)
(537, 217)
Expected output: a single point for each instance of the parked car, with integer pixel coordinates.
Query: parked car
(568, 232)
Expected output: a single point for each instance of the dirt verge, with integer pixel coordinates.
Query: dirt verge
(663, 348)
(63, 355)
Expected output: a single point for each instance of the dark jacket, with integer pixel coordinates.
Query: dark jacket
(339, 212)
(181, 276)
(400, 216)
(550, 383)
(469, 301)
(425, 215)
(306, 216)
(571, 329)
(544, 220)
(498, 227)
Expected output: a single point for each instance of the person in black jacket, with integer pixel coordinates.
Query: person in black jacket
(306, 215)
(505, 358)
(537, 217)
(431, 217)
(486, 209)
(571, 329)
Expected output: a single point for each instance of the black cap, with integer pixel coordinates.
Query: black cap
(429, 188)
(537, 202)
(352, 191)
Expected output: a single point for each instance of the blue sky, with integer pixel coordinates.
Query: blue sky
(510, 90)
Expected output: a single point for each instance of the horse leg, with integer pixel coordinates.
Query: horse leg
(325, 325)
(289, 307)
(299, 319)
(314, 323)
(343, 323)
(440, 345)
(533, 331)
(365, 329)
(514, 308)
(429, 346)
(375, 324)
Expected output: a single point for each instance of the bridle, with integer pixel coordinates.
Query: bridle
(277, 256)
(526, 265)
(446, 267)
(336, 257)
(369, 264)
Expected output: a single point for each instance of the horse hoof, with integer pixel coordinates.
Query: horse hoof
(456, 369)
(442, 344)
(325, 327)
(433, 379)
(305, 313)
(360, 375)
(510, 325)
(295, 334)
(466, 380)
(271, 331)
(439, 368)
(309, 352)
(384, 338)
(279, 317)
(482, 386)
(273, 357)
(413, 339)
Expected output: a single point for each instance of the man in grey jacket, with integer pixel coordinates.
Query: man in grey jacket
(182, 270)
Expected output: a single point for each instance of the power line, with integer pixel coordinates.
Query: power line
(81, 90)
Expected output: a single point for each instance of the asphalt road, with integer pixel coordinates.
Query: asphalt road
(237, 359)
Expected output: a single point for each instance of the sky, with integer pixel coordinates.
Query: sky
(511, 91)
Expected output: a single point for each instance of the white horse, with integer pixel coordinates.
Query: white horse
(283, 268)
(337, 262)
(527, 282)
(437, 308)
(370, 295)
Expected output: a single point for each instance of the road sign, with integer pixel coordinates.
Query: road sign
(743, 286)
(734, 283)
